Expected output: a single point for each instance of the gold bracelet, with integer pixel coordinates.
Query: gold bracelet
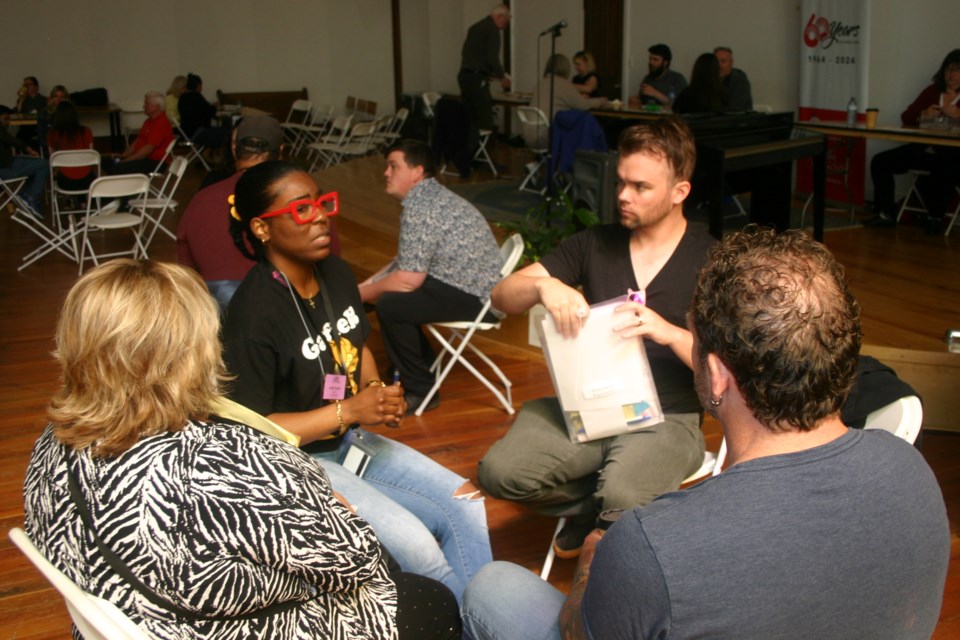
(343, 427)
(372, 383)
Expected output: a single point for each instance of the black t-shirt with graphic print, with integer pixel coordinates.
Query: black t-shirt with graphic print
(279, 363)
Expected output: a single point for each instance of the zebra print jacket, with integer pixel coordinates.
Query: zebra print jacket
(218, 519)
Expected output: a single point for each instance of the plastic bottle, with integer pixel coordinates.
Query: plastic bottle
(852, 112)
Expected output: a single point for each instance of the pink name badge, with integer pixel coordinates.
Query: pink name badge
(334, 387)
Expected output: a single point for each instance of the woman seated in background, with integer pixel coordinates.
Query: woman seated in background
(294, 337)
(940, 100)
(67, 134)
(565, 96)
(230, 532)
(704, 93)
(172, 99)
(586, 81)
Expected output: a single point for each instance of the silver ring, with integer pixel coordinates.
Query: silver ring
(581, 312)
(640, 320)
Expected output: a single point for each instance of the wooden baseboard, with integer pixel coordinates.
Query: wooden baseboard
(934, 375)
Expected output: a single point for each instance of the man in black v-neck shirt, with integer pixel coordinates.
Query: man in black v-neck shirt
(652, 249)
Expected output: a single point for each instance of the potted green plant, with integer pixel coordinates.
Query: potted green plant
(544, 226)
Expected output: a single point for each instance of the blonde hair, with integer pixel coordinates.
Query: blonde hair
(178, 86)
(587, 58)
(138, 348)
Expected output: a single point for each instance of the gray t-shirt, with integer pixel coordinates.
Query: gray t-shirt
(846, 540)
(446, 237)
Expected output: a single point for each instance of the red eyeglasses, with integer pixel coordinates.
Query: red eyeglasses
(306, 211)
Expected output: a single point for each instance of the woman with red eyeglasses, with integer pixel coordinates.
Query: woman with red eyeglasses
(294, 338)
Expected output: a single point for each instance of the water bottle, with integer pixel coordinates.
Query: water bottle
(852, 113)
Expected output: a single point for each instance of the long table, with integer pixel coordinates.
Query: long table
(940, 137)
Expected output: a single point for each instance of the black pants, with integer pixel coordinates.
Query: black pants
(144, 165)
(943, 163)
(426, 609)
(475, 90)
(401, 315)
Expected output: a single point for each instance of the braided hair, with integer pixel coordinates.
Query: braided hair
(252, 196)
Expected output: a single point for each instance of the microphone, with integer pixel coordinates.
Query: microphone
(555, 28)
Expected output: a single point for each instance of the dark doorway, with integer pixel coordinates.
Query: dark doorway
(603, 37)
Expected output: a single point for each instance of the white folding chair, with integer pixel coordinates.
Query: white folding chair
(462, 331)
(132, 118)
(430, 99)
(155, 208)
(953, 215)
(360, 142)
(326, 150)
(24, 215)
(194, 151)
(134, 186)
(390, 126)
(299, 115)
(913, 200)
(70, 159)
(712, 466)
(535, 123)
(903, 418)
(95, 618)
(310, 132)
(480, 155)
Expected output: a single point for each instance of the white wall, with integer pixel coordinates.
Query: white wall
(337, 48)
(333, 48)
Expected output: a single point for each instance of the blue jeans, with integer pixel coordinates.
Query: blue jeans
(408, 500)
(506, 602)
(36, 170)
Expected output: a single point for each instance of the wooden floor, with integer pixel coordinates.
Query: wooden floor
(906, 281)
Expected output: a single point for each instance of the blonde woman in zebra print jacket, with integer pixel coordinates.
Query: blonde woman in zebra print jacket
(231, 533)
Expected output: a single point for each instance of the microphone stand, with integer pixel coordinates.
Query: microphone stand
(548, 181)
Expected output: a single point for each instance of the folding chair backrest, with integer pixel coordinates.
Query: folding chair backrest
(299, 112)
(351, 106)
(166, 155)
(399, 119)
(510, 252)
(430, 99)
(135, 184)
(903, 418)
(531, 116)
(75, 158)
(172, 179)
(96, 618)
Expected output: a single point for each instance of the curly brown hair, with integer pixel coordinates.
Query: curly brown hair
(776, 310)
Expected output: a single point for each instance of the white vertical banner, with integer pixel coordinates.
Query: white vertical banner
(834, 55)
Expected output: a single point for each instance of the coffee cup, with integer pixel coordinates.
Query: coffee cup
(871, 118)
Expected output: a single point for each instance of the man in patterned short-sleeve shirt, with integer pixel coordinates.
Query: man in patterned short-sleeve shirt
(446, 265)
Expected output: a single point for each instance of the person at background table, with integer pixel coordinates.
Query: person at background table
(565, 96)
(196, 115)
(447, 263)
(218, 518)
(67, 134)
(661, 85)
(29, 100)
(941, 98)
(480, 63)
(704, 93)
(27, 164)
(737, 95)
(151, 144)
(58, 94)
(813, 530)
(295, 339)
(587, 82)
(172, 106)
